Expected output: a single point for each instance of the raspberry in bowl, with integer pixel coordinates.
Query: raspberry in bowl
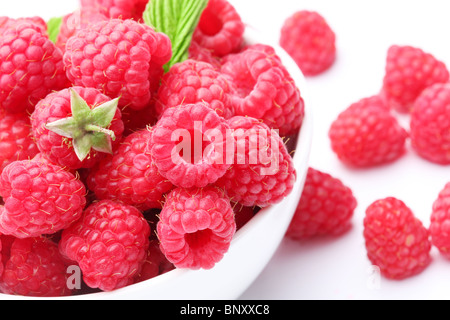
(181, 245)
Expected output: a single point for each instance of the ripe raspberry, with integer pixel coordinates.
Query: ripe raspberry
(196, 227)
(109, 243)
(440, 221)
(8, 22)
(129, 9)
(193, 81)
(121, 58)
(40, 198)
(33, 267)
(367, 134)
(16, 141)
(199, 53)
(262, 171)
(30, 67)
(326, 207)
(129, 175)
(71, 145)
(310, 41)
(264, 89)
(220, 28)
(429, 123)
(189, 145)
(409, 71)
(396, 241)
(155, 263)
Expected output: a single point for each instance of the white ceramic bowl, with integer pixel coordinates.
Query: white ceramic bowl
(253, 245)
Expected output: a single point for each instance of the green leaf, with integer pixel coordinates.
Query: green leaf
(178, 20)
(54, 27)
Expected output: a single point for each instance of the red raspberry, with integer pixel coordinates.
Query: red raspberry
(220, 28)
(30, 67)
(196, 227)
(121, 58)
(61, 148)
(396, 241)
(33, 267)
(429, 123)
(326, 207)
(193, 81)
(409, 71)
(155, 263)
(189, 145)
(199, 53)
(440, 222)
(367, 134)
(16, 141)
(262, 171)
(40, 198)
(129, 9)
(310, 41)
(109, 243)
(129, 175)
(8, 22)
(264, 89)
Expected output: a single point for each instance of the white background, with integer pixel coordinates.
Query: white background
(338, 268)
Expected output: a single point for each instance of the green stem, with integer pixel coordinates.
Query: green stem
(94, 128)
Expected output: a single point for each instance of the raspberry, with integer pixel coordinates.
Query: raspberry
(199, 158)
(220, 28)
(40, 198)
(30, 66)
(396, 241)
(367, 134)
(310, 41)
(409, 71)
(109, 243)
(65, 148)
(8, 22)
(129, 175)
(129, 9)
(429, 123)
(198, 53)
(262, 172)
(326, 207)
(196, 227)
(16, 141)
(155, 264)
(33, 267)
(193, 81)
(440, 221)
(121, 58)
(264, 89)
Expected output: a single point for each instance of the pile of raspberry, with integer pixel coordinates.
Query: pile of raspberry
(96, 193)
(368, 133)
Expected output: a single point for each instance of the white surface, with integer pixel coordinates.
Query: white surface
(338, 268)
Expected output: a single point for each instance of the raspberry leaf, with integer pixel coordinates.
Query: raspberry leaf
(54, 27)
(88, 128)
(178, 20)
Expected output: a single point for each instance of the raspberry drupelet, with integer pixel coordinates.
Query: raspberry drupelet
(440, 222)
(196, 227)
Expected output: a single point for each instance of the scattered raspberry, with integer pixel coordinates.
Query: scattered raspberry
(429, 124)
(367, 134)
(61, 147)
(326, 207)
(396, 241)
(193, 81)
(33, 267)
(196, 227)
(310, 41)
(129, 175)
(30, 66)
(264, 89)
(440, 222)
(262, 171)
(109, 243)
(125, 60)
(117, 9)
(409, 71)
(155, 264)
(220, 28)
(40, 198)
(16, 141)
(189, 145)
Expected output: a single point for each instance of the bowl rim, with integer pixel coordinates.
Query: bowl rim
(301, 160)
